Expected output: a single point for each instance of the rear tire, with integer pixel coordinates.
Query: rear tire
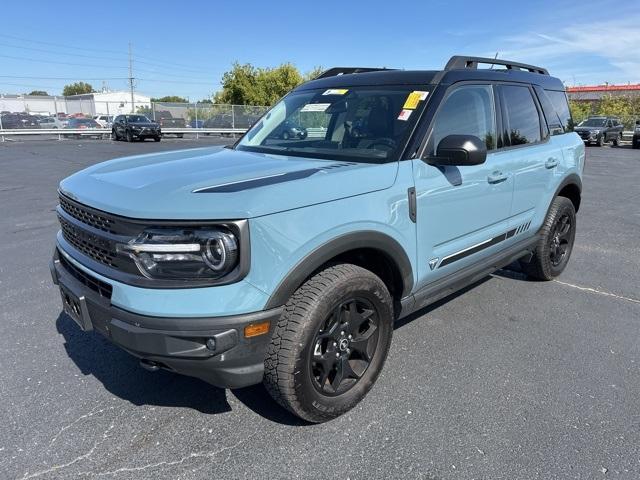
(156, 139)
(556, 241)
(180, 135)
(330, 343)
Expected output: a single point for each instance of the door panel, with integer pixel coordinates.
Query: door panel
(461, 209)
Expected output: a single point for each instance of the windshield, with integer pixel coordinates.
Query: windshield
(361, 124)
(593, 122)
(137, 119)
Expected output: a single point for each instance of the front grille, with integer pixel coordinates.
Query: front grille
(93, 219)
(88, 244)
(101, 288)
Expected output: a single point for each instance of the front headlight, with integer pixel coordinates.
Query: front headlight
(184, 253)
(595, 132)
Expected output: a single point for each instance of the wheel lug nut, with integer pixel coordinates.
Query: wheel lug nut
(350, 337)
(342, 333)
(335, 344)
(337, 354)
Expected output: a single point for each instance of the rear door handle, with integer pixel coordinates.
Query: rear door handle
(496, 177)
(551, 162)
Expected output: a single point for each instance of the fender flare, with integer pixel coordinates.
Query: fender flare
(371, 239)
(571, 179)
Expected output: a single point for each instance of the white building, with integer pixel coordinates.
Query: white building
(99, 103)
(107, 103)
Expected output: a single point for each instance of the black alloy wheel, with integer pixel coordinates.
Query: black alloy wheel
(560, 240)
(344, 346)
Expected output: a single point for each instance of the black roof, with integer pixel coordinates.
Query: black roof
(458, 69)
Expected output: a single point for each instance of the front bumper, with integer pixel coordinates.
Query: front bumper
(175, 344)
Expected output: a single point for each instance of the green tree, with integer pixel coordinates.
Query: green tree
(77, 88)
(249, 85)
(39, 93)
(579, 110)
(170, 99)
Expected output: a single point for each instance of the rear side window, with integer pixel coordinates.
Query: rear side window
(561, 106)
(521, 121)
(468, 110)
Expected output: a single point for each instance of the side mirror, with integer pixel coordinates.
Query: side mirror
(459, 150)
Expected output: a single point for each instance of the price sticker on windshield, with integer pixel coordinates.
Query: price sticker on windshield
(315, 107)
(414, 98)
(336, 91)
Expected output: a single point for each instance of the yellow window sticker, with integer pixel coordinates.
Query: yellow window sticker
(336, 91)
(414, 99)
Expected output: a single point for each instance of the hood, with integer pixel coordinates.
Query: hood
(143, 124)
(220, 184)
(587, 129)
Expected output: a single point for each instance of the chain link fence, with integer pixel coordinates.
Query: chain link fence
(32, 112)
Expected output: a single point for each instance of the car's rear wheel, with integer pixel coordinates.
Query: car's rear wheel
(556, 242)
(180, 135)
(156, 139)
(330, 343)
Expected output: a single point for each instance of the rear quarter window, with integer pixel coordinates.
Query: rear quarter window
(561, 106)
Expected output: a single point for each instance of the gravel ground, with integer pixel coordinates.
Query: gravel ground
(509, 379)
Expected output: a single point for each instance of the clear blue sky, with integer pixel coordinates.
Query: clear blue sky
(183, 48)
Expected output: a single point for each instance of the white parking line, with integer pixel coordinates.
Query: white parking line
(599, 292)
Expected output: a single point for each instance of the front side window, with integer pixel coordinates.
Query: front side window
(521, 119)
(467, 110)
(360, 124)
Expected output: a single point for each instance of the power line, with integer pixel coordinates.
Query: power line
(155, 59)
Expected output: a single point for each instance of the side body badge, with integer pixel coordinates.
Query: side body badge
(433, 262)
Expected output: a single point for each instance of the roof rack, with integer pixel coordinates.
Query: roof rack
(333, 72)
(460, 61)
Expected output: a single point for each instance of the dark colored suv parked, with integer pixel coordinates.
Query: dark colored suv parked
(600, 130)
(135, 127)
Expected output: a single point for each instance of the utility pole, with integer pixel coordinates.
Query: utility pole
(131, 78)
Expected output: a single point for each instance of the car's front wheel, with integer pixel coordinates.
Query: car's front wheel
(129, 136)
(618, 140)
(556, 241)
(330, 343)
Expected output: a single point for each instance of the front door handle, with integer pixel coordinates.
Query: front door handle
(551, 162)
(496, 177)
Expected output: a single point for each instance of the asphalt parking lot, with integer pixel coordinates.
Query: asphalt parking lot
(510, 379)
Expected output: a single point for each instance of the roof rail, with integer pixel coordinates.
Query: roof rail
(460, 61)
(333, 72)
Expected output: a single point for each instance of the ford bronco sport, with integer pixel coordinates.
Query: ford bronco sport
(287, 261)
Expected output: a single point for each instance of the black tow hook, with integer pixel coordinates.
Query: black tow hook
(149, 365)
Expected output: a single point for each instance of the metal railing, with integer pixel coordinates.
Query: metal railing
(105, 132)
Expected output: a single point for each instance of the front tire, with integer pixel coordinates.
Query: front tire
(330, 343)
(618, 140)
(556, 242)
(600, 141)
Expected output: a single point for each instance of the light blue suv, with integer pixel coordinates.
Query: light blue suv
(286, 261)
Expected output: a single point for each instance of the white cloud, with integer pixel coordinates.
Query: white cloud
(615, 42)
